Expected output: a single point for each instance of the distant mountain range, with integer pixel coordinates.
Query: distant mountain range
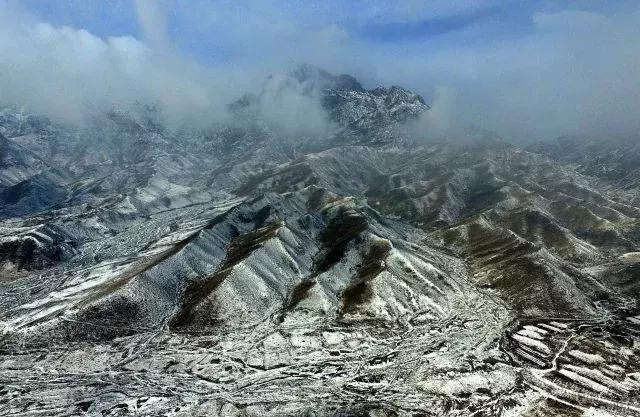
(350, 269)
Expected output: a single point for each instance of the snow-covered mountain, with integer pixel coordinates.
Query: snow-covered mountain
(324, 261)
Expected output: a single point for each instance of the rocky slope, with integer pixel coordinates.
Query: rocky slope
(249, 269)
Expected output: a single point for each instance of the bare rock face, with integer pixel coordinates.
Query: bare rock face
(242, 270)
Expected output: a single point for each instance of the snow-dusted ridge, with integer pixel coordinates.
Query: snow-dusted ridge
(350, 270)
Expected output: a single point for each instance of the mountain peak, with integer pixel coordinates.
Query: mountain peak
(321, 79)
(359, 115)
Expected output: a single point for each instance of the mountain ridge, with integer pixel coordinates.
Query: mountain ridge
(352, 261)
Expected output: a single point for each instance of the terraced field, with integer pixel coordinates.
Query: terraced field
(239, 271)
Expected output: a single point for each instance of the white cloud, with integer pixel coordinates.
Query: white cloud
(152, 18)
(574, 73)
(71, 73)
(568, 72)
(288, 107)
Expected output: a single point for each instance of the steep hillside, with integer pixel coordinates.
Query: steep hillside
(342, 268)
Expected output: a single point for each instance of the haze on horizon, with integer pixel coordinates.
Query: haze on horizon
(527, 70)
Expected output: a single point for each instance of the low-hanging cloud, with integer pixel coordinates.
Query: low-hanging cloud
(565, 71)
(70, 73)
(574, 72)
(577, 76)
(292, 109)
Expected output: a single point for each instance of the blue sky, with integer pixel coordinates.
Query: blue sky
(523, 68)
(204, 28)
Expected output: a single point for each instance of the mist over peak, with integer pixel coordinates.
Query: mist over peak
(316, 78)
(532, 72)
(436, 213)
